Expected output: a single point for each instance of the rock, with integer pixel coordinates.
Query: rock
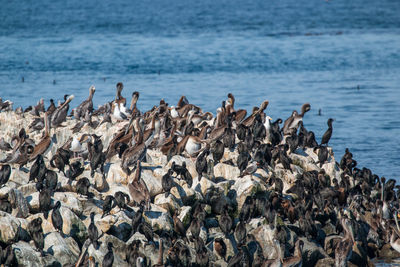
(122, 228)
(264, 235)
(100, 182)
(226, 171)
(72, 225)
(19, 177)
(105, 223)
(185, 215)
(159, 220)
(167, 203)
(69, 200)
(244, 187)
(116, 175)
(18, 200)
(66, 251)
(28, 189)
(27, 256)
(152, 182)
(9, 228)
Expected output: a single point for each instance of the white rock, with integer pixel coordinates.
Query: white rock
(66, 251)
(226, 171)
(9, 228)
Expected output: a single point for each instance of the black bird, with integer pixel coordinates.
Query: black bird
(225, 222)
(108, 205)
(327, 135)
(82, 186)
(310, 140)
(247, 209)
(5, 173)
(229, 134)
(108, 259)
(258, 129)
(167, 182)
(120, 199)
(240, 233)
(186, 175)
(8, 258)
(195, 227)
(38, 169)
(96, 155)
(75, 169)
(322, 154)
(93, 232)
(5, 204)
(243, 158)
(58, 162)
(284, 159)
(201, 163)
(51, 180)
(36, 232)
(275, 132)
(137, 218)
(145, 229)
(217, 151)
(241, 131)
(56, 218)
(44, 199)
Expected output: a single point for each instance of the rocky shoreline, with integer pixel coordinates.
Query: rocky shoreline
(303, 213)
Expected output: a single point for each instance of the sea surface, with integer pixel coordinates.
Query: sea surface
(341, 56)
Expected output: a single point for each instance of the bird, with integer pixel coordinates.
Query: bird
(120, 199)
(93, 232)
(167, 182)
(327, 135)
(36, 232)
(45, 143)
(86, 105)
(108, 205)
(57, 219)
(5, 173)
(108, 259)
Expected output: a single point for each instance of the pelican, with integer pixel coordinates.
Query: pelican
(344, 248)
(44, 144)
(86, 105)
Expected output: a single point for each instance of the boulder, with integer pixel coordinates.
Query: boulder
(9, 228)
(65, 250)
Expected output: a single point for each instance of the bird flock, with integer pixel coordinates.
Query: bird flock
(298, 206)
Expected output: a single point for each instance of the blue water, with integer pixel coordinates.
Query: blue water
(341, 56)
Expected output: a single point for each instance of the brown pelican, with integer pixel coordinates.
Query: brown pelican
(86, 105)
(135, 152)
(395, 242)
(230, 107)
(60, 114)
(344, 248)
(44, 144)
(294, 119)
(134, 111)
(249, 120)
(138, 189)
(119, 99)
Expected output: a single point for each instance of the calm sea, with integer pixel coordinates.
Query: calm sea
(341, 56)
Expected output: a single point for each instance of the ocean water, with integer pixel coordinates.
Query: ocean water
(342, 57)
